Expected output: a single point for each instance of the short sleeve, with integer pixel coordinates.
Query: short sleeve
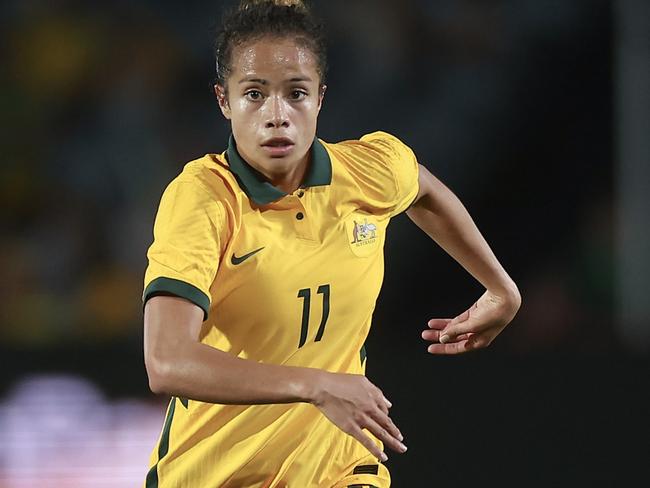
(184, 256)
(402, 165)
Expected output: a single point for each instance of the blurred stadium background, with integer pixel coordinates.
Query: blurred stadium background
(536, 113)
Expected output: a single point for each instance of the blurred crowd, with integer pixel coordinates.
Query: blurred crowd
(508, 102)
(62, 432)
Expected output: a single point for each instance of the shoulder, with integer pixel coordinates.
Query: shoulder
(378, 161)
(202, 190)
(206, 181)
(386, 144)
(209, 173)
(378, 145)
(376, 151)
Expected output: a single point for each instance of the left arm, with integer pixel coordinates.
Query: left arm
(439, 213)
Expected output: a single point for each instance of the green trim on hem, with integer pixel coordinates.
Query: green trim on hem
(366, 469)
(362, 353)
(163, 446)
(171, 286)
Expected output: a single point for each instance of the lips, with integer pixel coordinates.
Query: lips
(278, 147)
(278, 142)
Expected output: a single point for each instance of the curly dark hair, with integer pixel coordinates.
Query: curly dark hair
(254, 19)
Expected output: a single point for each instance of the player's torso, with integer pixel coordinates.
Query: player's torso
(298, 279)
(296, 284)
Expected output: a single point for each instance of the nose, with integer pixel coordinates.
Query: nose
(277, 113)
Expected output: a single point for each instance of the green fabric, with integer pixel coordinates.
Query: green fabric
(325, 291)
(305, 294)
(235, 260)
(163, 446)
(171, 286)
(366, 469)
(260, 190)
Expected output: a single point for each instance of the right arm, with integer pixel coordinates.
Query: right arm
(178, 364)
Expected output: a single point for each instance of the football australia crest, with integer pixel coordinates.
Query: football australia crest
(363, 235)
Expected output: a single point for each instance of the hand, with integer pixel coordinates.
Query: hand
(475, 328)
(352, 403)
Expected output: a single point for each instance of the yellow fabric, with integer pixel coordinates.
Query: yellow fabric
(187, 233)
(323, 271)
(379, 480)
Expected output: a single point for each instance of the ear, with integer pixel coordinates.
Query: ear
(222, 98)
(321, 95)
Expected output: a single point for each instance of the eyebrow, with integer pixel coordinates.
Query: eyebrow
(265, 82)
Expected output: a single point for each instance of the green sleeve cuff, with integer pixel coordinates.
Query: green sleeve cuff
(170, 286)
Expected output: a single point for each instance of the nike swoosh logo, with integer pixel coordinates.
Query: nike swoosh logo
(238, 260)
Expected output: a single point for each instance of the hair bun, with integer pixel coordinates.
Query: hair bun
(246, 4)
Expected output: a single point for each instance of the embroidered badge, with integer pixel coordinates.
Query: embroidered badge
(363, 235)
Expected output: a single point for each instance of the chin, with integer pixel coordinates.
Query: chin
(285, 162)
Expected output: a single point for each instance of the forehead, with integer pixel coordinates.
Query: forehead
(273, 57)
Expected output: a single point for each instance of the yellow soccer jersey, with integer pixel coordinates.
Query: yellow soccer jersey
(287, 279)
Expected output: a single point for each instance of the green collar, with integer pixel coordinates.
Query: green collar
(256, 186)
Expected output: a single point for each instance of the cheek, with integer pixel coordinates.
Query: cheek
(306, 110)
(242, 107)
(244, 115)
(309, 116)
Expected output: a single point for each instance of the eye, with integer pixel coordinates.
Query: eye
(297, 94)
(253, 95)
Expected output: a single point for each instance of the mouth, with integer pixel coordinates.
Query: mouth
(278, 146)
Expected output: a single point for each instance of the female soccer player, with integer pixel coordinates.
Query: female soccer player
(266, 264)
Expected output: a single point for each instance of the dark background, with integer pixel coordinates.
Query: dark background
(510, 103)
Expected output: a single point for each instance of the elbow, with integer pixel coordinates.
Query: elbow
(157, 385)
(159, 375)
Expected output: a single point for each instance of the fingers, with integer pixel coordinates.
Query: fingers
(392, 429)
(475, 328)
(434, 336)
(435, 328)
(386, 402)
(446, 330)
(449, 348)
(381, 426)
(454, 332)
(354, 403)
(438, 324)
(388, 423)
(463, 343)
(382, 402)
(461, 324)
(385, 430)
(368, 443)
